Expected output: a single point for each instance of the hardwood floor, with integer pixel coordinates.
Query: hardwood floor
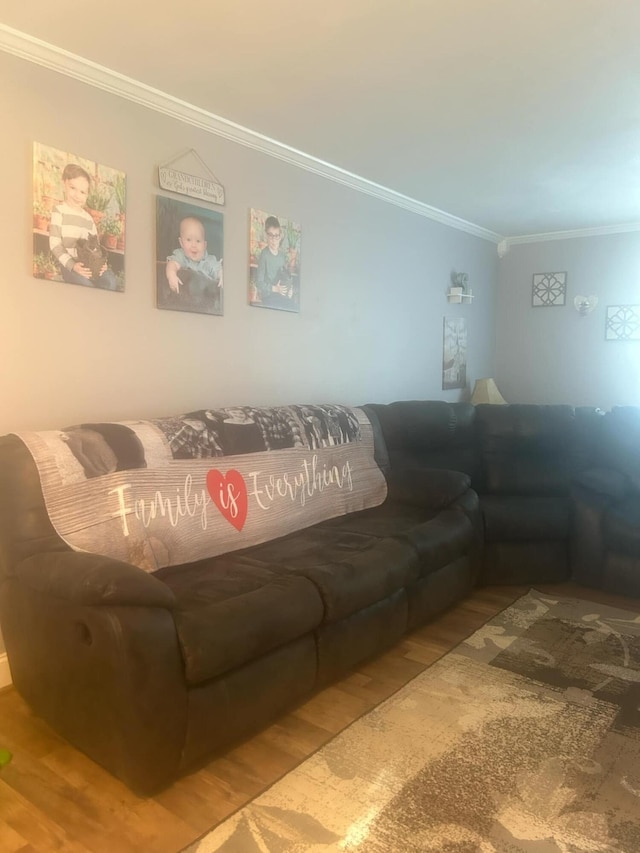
(54, 798)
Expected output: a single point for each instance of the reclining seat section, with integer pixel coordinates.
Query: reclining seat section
(521, 460)
(174, 641)
(526, 454)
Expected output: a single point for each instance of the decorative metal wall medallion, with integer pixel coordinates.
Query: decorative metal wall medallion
(622, 323)
(549, 289)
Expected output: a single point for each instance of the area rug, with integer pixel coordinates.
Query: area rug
(525, 737)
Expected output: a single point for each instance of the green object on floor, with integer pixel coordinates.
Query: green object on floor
(5, 757)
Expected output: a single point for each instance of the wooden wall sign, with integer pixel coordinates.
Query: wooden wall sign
(204, 187)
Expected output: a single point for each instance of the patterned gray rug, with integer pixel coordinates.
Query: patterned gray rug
(525, 737)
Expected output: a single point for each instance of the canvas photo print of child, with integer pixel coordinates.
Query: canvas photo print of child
(189, 244)
(274, 261)
(79, 220)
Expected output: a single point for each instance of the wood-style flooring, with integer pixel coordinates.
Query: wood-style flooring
(54, 798)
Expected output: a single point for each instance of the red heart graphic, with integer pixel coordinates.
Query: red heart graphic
(229, 494)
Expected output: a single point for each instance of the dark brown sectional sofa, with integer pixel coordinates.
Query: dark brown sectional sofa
(151, 673)
(522, 461)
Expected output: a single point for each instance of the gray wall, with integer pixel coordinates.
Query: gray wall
(374, 279)
(554, 355)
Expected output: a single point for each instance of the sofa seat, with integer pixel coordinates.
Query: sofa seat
(622, 526)
(391, 518)
(439, 537)
(522, 518)
(230, 612)
(350, 570)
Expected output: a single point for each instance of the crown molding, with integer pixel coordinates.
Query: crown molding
(56, 59)
(568, 235)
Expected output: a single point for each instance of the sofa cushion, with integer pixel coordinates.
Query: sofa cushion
(431, 488)
(350, 570)
(438, 537)
(526, 449)
(429, 434)
(389, 519)
(515, 518)
(441, 540)
(622, 526)
(230, 611)
(604, 481)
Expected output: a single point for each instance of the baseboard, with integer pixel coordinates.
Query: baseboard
(5, 672)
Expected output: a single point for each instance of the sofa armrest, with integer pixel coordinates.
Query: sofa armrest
(91, 579)
(109, 679)
(604, 481)
(433, 488)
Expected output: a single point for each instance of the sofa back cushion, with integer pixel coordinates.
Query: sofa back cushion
(430, 434)
(534, 450)
(622, 442)
(25, 527)
(176, 490)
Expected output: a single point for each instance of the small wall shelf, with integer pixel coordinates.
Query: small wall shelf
(459, 294)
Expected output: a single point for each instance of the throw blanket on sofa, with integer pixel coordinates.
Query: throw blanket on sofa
(170, 491)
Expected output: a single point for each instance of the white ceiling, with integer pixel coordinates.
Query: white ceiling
(520, 116)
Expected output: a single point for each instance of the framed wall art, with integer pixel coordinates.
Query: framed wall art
(549, 289)
(189, 241)
(454, 354)
(79, 219)
(274, 261)
(622, 323)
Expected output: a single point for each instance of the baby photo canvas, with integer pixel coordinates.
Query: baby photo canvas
(189, 244)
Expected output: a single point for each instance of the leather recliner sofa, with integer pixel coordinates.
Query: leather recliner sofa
(149, 673)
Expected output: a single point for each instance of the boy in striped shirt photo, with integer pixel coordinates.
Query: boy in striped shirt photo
(70, 223)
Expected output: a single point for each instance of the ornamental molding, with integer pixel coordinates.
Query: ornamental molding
(56, 59)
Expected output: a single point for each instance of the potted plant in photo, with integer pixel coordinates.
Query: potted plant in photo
(49, 190)
(110, 229)
(44, 266)
(98, 202)
(38, 264)
(41, 216)
(293, 240)
(51, 269)
(120, 194)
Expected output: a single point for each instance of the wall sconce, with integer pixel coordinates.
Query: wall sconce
(486, 391)
(459, 291)
(585, 304)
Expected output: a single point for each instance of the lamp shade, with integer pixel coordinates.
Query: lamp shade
(486, 391)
